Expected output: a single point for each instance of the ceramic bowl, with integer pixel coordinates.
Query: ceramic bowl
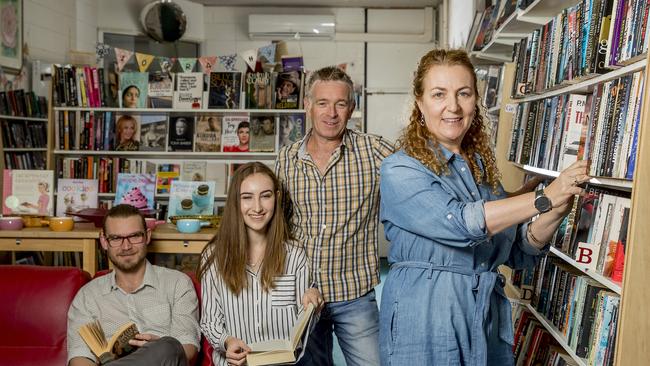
(11, 223)
(189, 226)
(61, 223)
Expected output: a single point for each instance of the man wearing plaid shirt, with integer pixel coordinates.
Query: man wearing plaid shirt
(331, 182)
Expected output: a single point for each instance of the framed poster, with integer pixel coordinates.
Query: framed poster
(11, 34)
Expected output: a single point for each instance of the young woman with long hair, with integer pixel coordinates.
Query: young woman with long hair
(254, 277)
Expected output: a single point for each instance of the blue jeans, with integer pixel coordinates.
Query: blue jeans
(356, 324)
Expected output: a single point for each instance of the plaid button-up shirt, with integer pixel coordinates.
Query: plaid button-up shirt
(334, 214)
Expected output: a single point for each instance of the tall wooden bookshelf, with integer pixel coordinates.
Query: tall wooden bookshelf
(633, 333)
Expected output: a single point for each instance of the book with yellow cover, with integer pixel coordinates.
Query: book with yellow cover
(281, 351)
(108, 350)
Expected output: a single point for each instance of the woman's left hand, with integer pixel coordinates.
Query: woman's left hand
(313, 296)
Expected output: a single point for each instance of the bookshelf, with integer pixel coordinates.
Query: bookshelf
(24, 142)
(165, 156)
(633, 329)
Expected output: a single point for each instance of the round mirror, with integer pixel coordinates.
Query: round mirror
(164, 22)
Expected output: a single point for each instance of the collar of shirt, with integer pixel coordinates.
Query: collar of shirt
(300, 150)
(448, 155)
(150, 279)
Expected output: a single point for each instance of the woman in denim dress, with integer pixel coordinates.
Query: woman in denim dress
(451, 225)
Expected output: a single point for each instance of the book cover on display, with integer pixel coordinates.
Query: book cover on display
(136, 190)
(225, 90)
(208, 133)
(191, 198)
(28, 192)
(134, 87)
(74, 195)
(188, 93)
(153, 132)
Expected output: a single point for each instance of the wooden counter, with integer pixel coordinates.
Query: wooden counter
(82, 239)
(166, 239)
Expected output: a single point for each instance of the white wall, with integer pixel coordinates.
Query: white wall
(226, 32)
(52, 28)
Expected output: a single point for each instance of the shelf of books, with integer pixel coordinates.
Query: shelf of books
(579, 92)
(171, 129)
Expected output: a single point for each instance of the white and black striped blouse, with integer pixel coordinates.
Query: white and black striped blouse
(254, 315)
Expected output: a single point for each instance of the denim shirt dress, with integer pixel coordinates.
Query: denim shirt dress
(443, 301)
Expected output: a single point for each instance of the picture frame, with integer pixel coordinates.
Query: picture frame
(11, 34)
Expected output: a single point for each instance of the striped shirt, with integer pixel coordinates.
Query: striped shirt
(164, 305)
(254, 315)
(334, 215)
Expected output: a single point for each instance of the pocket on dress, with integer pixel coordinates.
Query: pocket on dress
(284, 292)
(393, 327)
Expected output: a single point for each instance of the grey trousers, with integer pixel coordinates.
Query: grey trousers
(166, 351)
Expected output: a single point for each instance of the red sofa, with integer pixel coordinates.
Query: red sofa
(34, 302)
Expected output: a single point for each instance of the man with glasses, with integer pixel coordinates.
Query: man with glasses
(160, 301)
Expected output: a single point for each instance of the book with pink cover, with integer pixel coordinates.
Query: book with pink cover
(136, 190)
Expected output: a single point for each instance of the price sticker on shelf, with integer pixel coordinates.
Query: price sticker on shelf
(511, 108)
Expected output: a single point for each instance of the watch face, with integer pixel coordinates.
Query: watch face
(542, 204)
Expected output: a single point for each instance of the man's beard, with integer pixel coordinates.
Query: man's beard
(129, 266)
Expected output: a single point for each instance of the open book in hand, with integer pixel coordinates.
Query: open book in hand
(108, 350)
(281, 351)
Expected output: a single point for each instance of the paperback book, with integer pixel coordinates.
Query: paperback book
(292, 128)
(208, 133)
(282, 351)
(194, 171)
(153, 134)
(167, 173)
(288, 87)
(28, 192)
(136, 190)
(236, 133)
(259, 90)
(262, 133)
(107, 350)
(181, 133)
(161, 89)
(225, 90)
(133, 89)
(127, 132)
(188, 93)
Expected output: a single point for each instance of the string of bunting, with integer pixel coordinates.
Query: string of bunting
(206, 64)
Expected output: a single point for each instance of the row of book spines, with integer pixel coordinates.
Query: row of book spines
(19, 134)
(22, 104)
(596, 232)
(88, 131)
(105, 170)
(534, 344)
(25, 160)
(580, 309)
(578, 42)
(606, 122)
(79, 86)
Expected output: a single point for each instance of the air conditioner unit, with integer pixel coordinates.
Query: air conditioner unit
(277, 26)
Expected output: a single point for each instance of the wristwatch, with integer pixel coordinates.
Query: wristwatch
(542, 203)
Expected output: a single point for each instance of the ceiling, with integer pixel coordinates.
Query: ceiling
(325, 3)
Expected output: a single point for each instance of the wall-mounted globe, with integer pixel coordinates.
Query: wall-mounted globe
(163, 21)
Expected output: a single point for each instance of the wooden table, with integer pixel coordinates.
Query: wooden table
(166, 239)
(82, 239)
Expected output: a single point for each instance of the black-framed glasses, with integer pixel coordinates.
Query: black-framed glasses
(133, 239)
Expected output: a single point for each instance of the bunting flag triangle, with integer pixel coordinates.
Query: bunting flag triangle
(267, 53)
(166, 63)
(207, 62)
(122, 56)
(250, 56)
(144, 61)
(187, 63)
(228, 62)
